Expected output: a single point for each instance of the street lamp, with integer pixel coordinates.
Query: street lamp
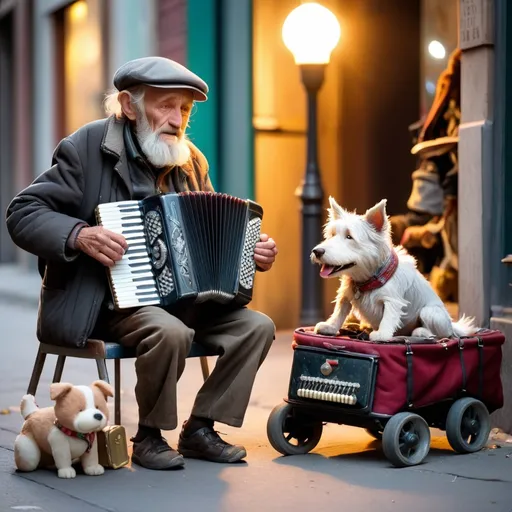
(311, 32)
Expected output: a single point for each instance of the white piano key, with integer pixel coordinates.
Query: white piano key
(135, 210)
(136, 303)
(108, 218)
(131, 210)
(137, 241)
(135, 258)
(127, 235)
(124, 262)
(130, 276)
(130, 227)
(118, 221)
(132, 295)
(138, 252)
(123, 271)
(143, 286)
(132, 236)
(124, 301)
(117, 205)
(135, 294)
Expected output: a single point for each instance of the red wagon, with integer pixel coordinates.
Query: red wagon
(396, 390)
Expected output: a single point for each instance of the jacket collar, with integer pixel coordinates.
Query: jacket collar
(113, 144)
(112, 141)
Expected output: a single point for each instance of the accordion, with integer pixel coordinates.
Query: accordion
(196, 246)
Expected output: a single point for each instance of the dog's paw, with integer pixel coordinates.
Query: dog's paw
(380, 336)
(66, 473)
(326, 329)
(94, 470)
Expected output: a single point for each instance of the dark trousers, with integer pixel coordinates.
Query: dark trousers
(242, 337)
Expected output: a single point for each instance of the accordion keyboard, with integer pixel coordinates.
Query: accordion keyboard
(131, 279)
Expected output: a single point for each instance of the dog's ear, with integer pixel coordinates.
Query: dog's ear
(104, 387)
(335, 211)
(59, 389)
(376, 216)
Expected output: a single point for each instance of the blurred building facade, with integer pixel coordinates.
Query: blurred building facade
(57, 58)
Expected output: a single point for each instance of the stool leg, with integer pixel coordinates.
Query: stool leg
(102, 369)
(204, 367)
(59, 368)
(36, 372)
(117, 392)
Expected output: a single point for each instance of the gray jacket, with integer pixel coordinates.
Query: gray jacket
(89, 167)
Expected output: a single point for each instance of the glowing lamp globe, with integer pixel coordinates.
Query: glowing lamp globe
(311, 32)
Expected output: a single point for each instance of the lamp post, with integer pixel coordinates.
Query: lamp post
(311, 32)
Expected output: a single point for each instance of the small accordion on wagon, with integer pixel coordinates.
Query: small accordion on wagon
(196, 246)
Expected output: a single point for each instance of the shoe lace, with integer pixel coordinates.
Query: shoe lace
(213, 435)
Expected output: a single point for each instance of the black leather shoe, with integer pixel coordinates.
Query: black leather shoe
(155, 453)
(206, 444)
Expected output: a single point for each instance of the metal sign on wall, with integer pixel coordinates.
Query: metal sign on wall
(476, 23)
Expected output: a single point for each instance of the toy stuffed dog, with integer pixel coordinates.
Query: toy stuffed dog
(56, 436)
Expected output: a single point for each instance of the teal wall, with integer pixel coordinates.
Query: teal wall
(501, 235)
(219, 49)
(203, 59)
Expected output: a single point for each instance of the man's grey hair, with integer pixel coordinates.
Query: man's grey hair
(113, 106)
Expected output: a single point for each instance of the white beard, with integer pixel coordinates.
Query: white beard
(158, 152)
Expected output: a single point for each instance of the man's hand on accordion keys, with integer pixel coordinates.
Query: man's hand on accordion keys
(101, 244)
(265, 252)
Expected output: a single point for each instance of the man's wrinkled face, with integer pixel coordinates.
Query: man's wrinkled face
(168, 112)
(160, 124)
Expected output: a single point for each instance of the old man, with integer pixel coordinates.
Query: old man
(139, 150)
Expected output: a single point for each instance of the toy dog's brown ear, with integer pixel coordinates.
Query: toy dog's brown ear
(104, 387)
(59, 389)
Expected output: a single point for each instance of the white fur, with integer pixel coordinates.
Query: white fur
(406, 305)
(28, 406)
(26, 453)
(85, 421)
(66, 449)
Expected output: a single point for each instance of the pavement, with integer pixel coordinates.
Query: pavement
(347, 469)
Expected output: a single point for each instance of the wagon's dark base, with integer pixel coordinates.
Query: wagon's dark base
(295, 427)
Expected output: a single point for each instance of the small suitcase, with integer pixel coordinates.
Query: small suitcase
(112, 447)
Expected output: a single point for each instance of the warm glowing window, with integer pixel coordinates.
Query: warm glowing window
(82, 63)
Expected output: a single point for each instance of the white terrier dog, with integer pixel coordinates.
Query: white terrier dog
(379, 283)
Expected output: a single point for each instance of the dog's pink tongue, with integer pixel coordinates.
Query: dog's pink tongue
(325, 271)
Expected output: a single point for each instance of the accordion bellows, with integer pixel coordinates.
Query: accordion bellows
(196, 246)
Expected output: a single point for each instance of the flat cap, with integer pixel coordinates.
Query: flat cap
(159, 72)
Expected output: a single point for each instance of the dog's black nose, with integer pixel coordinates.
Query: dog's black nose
(98, 416)
(318, 251)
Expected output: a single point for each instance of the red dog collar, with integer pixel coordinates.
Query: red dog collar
(88, 438)
(380, 278)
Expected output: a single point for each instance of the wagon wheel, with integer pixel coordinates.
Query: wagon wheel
(290, 435)
(468, 425)
(406, 439)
